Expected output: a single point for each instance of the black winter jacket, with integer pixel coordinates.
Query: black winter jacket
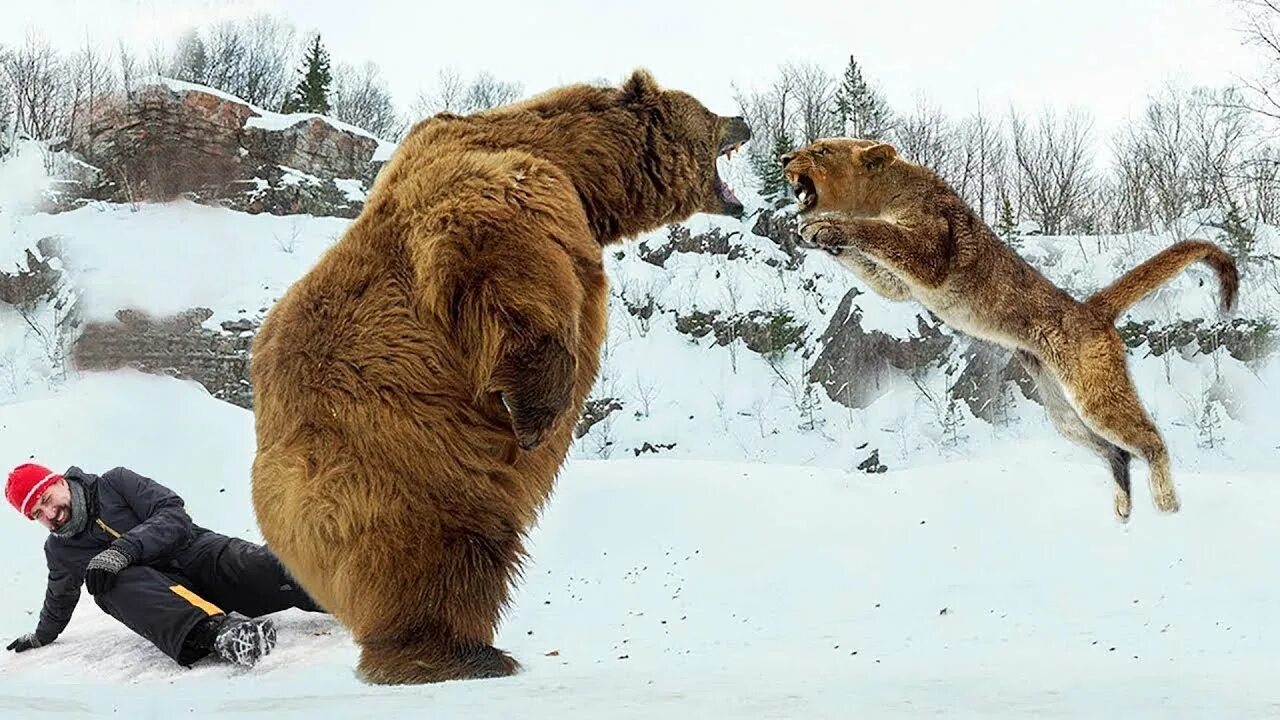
(141, 518)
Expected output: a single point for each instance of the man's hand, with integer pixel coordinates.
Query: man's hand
(26, 642)
(100, 573)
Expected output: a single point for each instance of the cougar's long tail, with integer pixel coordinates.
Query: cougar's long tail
(1159, 269)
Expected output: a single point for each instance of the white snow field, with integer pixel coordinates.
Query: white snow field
(988, 587)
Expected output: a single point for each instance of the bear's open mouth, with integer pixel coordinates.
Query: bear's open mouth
(806, 192)
(723, 190)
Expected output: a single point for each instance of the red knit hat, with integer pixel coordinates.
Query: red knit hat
(27, 483)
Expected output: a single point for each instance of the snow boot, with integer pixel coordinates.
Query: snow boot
(244, 641)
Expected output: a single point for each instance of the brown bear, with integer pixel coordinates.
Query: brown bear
(416, 391)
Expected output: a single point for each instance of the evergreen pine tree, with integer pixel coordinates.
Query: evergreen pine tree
(843, 109)
(1209, 423)
(191, 61)
(952, 419)
(1006, 227)
(773, 184)
(1236, 233)
(860, 110)
(311, 94)
(809, 407)
(953, 424)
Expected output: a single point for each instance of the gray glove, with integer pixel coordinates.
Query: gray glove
(100, 573)
(26, 642)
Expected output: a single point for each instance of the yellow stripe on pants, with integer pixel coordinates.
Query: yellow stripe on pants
(194, 599)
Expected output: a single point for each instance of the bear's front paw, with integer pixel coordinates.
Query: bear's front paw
(538, 385)
(528, 424)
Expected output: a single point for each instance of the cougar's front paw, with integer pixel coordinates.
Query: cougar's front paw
(821, 232)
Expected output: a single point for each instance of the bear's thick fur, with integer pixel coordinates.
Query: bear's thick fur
(416, 391)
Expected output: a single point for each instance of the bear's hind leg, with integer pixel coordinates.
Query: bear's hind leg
(429, 655)
(459, 610)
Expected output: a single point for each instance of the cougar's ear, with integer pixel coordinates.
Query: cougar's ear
(878, 156)
(640, 87)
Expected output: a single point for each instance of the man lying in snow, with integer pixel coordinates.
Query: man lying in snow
(131, 542)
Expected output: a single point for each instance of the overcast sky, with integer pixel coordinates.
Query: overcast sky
(1102, 55)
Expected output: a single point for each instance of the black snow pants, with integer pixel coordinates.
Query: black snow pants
(213, 575)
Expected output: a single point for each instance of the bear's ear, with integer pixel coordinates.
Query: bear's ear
(877, 156)
(639, 87)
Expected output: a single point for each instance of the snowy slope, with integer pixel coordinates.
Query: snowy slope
(691, 589)
(712, 402)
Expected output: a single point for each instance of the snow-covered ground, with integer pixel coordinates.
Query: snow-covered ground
(661, 588)
(747, 570)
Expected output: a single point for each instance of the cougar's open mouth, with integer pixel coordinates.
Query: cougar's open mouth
(805, 191)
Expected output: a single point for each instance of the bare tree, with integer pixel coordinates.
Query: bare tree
(224, 46)
(446, 96)
(35, 72)
(1130, 184)
(1262, 30)
(1183, 153)
(452, 91)
(1100, 208)
(128, 69)
(89, 79)
(979, 165)
(1161, 140)
(925, 136)
(1225, 169)
(1259, 178)
(1221, 133)
(6, 102)
(486, 91)
(1052, 166)
(813, 90)
(269, 54)
(360, 96)
(761, 111)
(767, 114)
(159, 59)
(251, 59)
(453, 94)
